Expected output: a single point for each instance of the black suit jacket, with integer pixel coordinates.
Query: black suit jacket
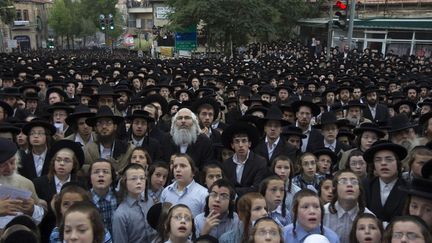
(282, 148)
(394, 204)
(200, 151)
(315, 137)
(381, 113)
(254, 172)
(28, 168)
(320, 144)
(215, 136)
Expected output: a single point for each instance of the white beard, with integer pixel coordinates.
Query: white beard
(184, 136)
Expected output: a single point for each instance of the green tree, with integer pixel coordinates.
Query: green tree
(7, 11)
(60, 19)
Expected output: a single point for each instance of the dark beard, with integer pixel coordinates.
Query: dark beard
(121, 107)
(106, 139)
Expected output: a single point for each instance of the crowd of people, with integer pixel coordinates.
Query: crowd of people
(285, 144)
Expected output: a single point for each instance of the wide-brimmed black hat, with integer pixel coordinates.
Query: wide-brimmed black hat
(103, 112)
(293, 131)
(256, 98)
(347, 133)
(400, 122)
(418, 187)
(354, 103)
(371, 127)
(328, 118)
(80, 112)
(425, 102)
(244, 90)
(123, 88)
(6, 107)
(10, 92)
(425, 118)
(314, 107)
(411, 104)
(38, 122)
(55, 90)
(370, 89)
(7, 149)
(427, 170)
(8, 127)
(255, 108)
(240, 128)
(31, 96)
(189, 92)
(105, 90)
(328, 152)
(141, 114)
(69, 144)
(209, 101)
(157, 98)
(381, 145)
(274, 114)
(59, 106)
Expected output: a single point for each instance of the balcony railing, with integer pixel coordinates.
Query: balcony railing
(138, 3)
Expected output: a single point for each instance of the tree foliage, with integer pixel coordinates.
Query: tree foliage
(239, 20)
(7, 11)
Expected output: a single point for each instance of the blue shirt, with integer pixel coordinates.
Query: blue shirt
(233, 236)
(193, 195)
(130, 222)
(277, 216)
(301, 234)
(106, 206)
(225, 224)
(55, 236)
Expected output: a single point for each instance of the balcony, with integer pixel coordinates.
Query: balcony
(139, 6)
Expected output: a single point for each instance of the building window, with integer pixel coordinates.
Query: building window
(18, 16)
(25, 15)
(149, 24)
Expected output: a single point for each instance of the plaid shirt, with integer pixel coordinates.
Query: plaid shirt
(302, 183)
(106, 206)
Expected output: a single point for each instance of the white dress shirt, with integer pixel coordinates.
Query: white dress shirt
(385, 190)
(240, 166)
(39, 160)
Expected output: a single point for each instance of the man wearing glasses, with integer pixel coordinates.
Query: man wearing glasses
(107, 145)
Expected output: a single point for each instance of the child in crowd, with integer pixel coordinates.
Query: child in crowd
(158, 175)
(266, 230)
(347, 202)
(366, 228)
(179, 226)
(283, 167)
(82, 223)
(307, 219)
(219, 216)
(308, 177)
(210, 174)
(129, 220)
(140, 156)
(325, 191)
(250, 207)
(357, 164)
(184, 189)
(407, 229)
(273, 190)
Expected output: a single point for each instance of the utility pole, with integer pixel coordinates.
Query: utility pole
(351, 23)
(330, 29)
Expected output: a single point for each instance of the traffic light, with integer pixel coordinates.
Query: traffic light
(111, 21)
(102, 22)
(341, 14)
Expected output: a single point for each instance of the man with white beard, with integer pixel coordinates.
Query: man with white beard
(33, 206)
(186, 137)
(355, 113)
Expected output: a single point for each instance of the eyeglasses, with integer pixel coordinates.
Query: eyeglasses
(356, 163)
(101, 123)
(263, 232)
(179, 218)
(222, 196)
(346, 181)
(37, 133)
(105, 172)
(307, 163)
(409, 235)
(65, 160)
(136, 178)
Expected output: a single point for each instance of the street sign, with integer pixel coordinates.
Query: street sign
(187, 40)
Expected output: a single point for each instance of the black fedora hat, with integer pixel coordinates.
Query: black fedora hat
(427, 170)
(103, 112)
(380, 145)
(328, 152)
(189, 92)
(31, 96)
(424, 118)
(69, 144)
(55, 90)
(274, 114)
(7, 149)
(370, 89)
(141, 114)
(10, 92)
(419, 187)
(209, 101)
(328, 118)
(371, 127)
(256, 98)
(6, 107)
(38, 122)
(400, 122)
(59, 106)
(293, 131)
(79, 112)
(316, 110)
(256, 108)
(354, 103)
(346, 133)
(157, 98)
(8, 127)
(105, 90)
(240, 127)
(398, 104)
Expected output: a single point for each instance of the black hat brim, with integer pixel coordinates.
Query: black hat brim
(91, 121)
(69, 144)
(27, 127)
(314, 107)
(240, 128)
(73, 118)
(395, 148)
(419, 187)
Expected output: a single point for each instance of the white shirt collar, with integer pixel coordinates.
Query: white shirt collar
(59, 184)
(383, 184)
(340, 211)
(236, 160)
